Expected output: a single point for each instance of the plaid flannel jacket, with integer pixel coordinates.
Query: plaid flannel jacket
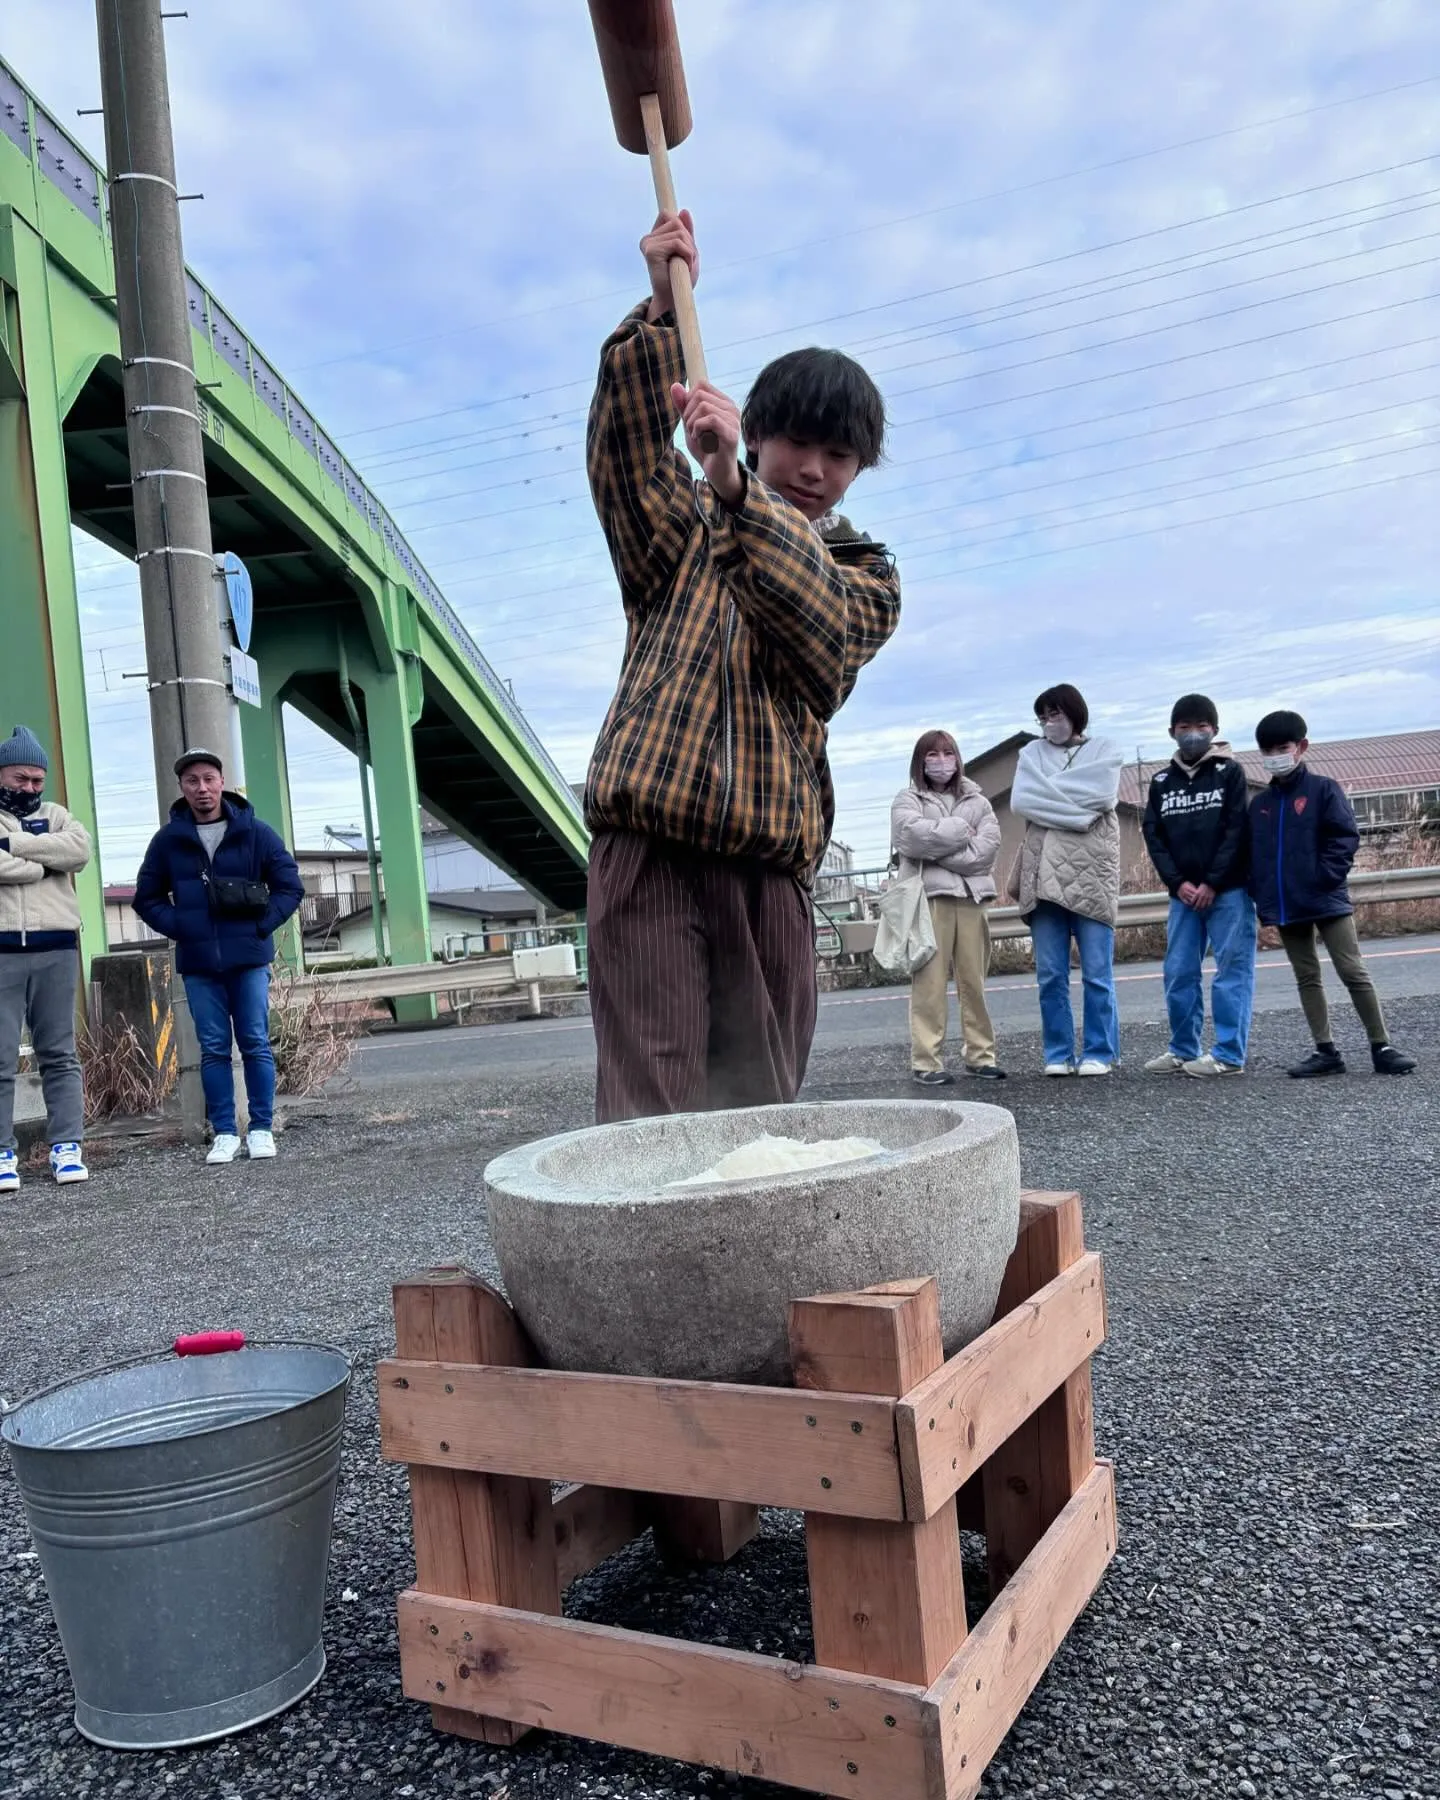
(746, 633)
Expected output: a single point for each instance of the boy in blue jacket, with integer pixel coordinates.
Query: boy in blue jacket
(1303, 839)
(218, 881)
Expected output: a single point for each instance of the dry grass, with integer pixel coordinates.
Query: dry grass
(313, 1042)
(121, 1079)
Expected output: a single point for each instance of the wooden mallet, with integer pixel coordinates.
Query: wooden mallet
(645, 80)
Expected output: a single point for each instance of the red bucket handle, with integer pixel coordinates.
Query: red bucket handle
(209, 1343)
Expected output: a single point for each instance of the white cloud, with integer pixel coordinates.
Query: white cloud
(1100, 467)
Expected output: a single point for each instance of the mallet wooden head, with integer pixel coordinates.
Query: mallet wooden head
(639, 55)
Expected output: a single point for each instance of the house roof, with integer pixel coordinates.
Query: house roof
(1015, 742)
(1397, 763)
(474, 903)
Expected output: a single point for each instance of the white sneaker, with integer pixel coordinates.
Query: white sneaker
(1166, 1064)
(260, 1144)
(1059, 1068)
(225, 1148)
(67, 1164)
(1091, 1066)
(9, 1172)
(1208, 1065)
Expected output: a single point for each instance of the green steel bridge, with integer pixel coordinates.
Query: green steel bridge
(334, 580)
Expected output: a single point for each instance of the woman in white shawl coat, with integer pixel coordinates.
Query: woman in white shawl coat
(1066, 879)
(945, 830)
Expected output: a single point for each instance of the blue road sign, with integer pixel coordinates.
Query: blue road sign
(241, 596)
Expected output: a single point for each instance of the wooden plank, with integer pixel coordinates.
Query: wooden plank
(772, 1446)
(1032, 1475)
(690, 1530)
(886, 1599)
(951, 1423)
(477, 1536)
(592, 1523)
(979, 1697)
(815, 1728)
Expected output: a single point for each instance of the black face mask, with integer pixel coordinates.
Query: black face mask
(1193, 745)
(18, 804)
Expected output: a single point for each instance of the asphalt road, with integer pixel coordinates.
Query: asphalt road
(1400, 967)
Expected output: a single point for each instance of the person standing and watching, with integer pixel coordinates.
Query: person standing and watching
(1303, 839)
(41, 847)
(1197, 829)
(1066, 878)
(219, 882)
(945, 830)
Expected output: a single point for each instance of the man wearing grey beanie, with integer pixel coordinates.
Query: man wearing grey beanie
(41, 847)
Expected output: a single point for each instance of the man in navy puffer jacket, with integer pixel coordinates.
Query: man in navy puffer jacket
(219, 882)
(1303, 839)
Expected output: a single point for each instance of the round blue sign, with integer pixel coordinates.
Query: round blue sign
(241, 596)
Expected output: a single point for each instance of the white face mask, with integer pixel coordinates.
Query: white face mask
(940, 769)
(1059, 731)
(1283, 762)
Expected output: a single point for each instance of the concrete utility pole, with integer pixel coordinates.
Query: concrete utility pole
(189, 702)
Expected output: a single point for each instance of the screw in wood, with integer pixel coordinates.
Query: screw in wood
(809, 1418)
(856, 1427)
(825, 1481)
(449, 1387)
(434, 1631)
(439, 1687)
(443, 1444)
(834, 1705)
(890, 1720)
(852, 1768)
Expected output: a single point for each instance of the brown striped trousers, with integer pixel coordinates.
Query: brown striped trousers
(702, 979)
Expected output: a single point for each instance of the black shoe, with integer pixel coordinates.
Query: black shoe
(1390, 1061)
(985, 1071)
(933, 1077)
(1320, 1062)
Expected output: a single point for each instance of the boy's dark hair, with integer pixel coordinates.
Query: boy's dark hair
(1195, 709)
(1280, 728)
(936, 740)
(818, 397)
(1069, 700)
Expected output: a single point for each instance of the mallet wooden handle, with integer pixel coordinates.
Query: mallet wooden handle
(684, 294)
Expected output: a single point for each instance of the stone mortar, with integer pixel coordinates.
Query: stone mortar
(612, 1269)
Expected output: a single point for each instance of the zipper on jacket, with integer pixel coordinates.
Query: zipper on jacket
(1280, 856)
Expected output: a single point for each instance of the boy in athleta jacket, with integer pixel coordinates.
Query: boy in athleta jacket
(1303, 839)
(752, 606)
(1197, 831)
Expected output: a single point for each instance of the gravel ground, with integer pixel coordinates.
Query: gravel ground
(1269, 1392)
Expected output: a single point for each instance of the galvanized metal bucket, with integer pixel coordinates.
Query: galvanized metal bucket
(181, 1507)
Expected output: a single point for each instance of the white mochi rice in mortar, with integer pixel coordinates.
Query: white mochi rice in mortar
(767, 1155)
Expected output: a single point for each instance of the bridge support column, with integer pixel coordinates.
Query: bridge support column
(388, 721)
(42, 679)
(267, 788)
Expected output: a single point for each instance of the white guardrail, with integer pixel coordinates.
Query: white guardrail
(493, 975)
(1368, 887)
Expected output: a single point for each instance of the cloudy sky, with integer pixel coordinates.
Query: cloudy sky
(1151, 293)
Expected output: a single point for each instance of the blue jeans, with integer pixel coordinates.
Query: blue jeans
(1051, 929)
(1228, 929)
(240, 998)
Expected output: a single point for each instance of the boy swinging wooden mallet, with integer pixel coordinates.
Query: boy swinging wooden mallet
(752, 606)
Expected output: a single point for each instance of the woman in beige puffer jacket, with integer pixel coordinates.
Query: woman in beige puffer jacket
(945, 830)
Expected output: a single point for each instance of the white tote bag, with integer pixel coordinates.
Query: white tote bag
(905, 937)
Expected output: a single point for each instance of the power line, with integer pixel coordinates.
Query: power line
(1041, 304)
(467, 439)
(1027, 187)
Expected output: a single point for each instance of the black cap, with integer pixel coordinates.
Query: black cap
(1196, 709)
(191, 757)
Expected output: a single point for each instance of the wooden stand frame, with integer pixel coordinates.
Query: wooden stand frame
(884, 1445)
